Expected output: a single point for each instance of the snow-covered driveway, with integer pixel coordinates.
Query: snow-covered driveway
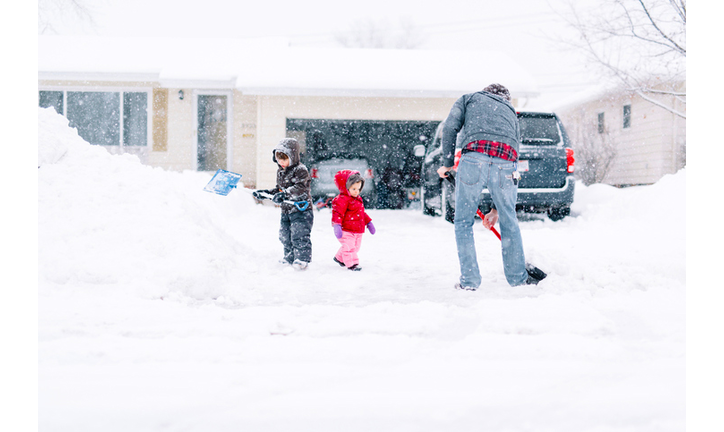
(163, 308)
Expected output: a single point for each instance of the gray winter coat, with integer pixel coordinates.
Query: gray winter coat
(294, 180)
(479, 116)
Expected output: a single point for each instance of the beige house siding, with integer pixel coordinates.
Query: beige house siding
(653, 146)
(245, 138)
(181, 135)
(160, 120)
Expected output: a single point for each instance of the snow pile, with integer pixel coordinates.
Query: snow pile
(162, 307)
(106, 219)
(638, 232)
(661, 203)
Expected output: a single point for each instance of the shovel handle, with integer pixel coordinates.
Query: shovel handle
(300, 205)
(492, 228)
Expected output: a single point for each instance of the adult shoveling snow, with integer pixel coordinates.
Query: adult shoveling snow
(489, 127)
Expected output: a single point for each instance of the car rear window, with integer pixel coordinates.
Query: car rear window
(539, 130)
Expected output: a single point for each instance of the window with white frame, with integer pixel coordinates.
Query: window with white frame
(110, 118)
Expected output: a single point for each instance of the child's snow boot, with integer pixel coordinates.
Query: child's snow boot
(299, 265)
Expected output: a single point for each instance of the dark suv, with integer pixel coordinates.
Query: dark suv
(545, 164)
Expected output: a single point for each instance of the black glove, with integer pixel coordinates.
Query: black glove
(279, 197)
(259, 193)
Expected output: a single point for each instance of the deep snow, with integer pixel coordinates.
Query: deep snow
(162, 307)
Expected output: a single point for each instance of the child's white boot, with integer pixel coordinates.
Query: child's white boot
(300, 265)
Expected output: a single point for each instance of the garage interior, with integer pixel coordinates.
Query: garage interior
(386, 145)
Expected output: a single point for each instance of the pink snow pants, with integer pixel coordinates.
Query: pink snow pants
(347, 253)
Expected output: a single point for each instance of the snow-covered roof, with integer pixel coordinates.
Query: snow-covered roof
(608, 89)
(272, 67)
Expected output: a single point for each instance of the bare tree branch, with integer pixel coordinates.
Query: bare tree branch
(659, 104)
(661, 32)
(51, 13)
(680, 8)
(664, 92)
(634, 41)
(595, 150)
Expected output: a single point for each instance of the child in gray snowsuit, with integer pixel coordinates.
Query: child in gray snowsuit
(293, 184)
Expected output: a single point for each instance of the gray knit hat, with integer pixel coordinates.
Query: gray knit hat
(498, 89)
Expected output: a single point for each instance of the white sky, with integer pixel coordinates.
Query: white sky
(526, 29)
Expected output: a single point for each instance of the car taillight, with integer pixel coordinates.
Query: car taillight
(457, 159)
(570, 160)
(314, 173)
(368, 173)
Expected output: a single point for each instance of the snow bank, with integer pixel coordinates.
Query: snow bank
(106, 219)
(662, 202)
(639, 232)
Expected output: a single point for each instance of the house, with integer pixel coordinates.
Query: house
(623, 140)
(205, 104)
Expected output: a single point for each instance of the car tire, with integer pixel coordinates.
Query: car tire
(558, 213)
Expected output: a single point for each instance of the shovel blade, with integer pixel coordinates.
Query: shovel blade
(534, 272)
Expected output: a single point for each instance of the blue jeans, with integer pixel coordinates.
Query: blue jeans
(477, 171)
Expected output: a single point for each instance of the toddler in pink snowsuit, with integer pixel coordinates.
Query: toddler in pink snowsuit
(349, 219)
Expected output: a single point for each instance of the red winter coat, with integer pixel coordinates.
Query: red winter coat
(347, 210)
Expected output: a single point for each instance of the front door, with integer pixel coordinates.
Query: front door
(212, 132)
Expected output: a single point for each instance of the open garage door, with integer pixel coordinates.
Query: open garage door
(386, 145)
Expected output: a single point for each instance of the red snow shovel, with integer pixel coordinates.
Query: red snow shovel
(534, 272)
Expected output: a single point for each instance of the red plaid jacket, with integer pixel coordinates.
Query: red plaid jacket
(493, 148)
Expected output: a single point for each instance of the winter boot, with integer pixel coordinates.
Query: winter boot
(299, 265)
(341, 264)
(355, 268)
(465, 288)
